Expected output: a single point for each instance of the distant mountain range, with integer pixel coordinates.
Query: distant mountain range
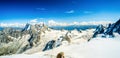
(71, 27)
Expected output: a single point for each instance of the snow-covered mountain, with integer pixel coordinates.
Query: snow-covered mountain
(35, 40)
(96, 48)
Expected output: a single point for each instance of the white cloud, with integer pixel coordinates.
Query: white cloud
(95, 23)
(11, 25)
(75, 23)
(33, 21)
(51, 22)
(70, 11)
(54, 23)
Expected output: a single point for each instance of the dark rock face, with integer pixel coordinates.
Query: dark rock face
(118, 29)
(109, 31)
(49, 45)
(99, 30)
(30, 40)
(53, 44)
(27, 27)
(115, 27)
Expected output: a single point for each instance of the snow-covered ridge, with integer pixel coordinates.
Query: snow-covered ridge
(96, 48)
(82, 44)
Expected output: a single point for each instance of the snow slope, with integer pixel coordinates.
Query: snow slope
(96, 48)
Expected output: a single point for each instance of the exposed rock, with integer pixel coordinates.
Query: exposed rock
(67, 37)
(59, 41)
(7, 34)
(34, 38)
(27, 27)
(109, 31)
(115, 27)
(99, 30)
(49, 45)
(28, 37)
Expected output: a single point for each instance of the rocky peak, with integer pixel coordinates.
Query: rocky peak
(109, 31)
(27, 27)
(99, 30)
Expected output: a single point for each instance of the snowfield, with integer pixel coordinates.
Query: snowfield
(96, 48)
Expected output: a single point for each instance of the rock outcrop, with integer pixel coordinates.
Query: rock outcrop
(26, 38)
(115, 27)
(109, 31)
(99, 30)
(49, 45)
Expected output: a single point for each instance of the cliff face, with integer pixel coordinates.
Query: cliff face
(115, 27)
(18, 41)
(37, 38)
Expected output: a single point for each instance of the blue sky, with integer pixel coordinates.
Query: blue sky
(59, 10)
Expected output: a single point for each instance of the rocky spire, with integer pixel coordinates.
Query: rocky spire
(27, 27)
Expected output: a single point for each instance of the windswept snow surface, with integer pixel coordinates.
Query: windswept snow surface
(96, 48)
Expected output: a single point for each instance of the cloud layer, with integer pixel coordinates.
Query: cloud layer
(54, 23)
(11, 25)
(33, 21)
